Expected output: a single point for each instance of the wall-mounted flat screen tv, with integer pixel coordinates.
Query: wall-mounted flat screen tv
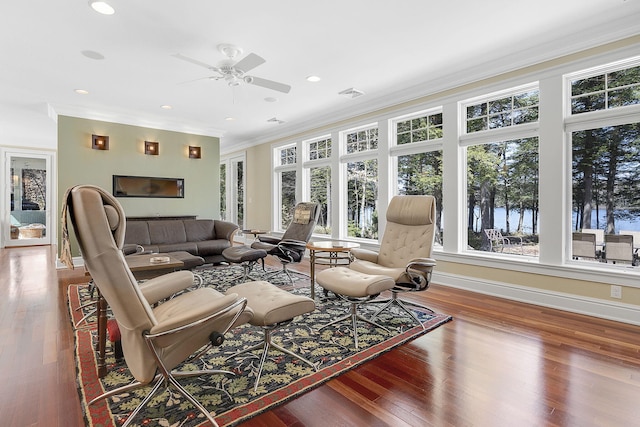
(147, 186)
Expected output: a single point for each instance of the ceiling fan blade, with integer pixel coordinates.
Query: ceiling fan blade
(197, 80)
(249, 62)
(269, 84)
(194, 61)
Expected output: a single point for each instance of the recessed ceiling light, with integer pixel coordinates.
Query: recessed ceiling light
(102, 7)
(229, 119)
(166, 107)
(271, 99)
(81, 91)
(313, 79)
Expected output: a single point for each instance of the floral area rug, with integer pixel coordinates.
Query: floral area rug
(231, 398)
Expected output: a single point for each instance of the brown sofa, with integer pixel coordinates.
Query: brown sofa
(206, 238)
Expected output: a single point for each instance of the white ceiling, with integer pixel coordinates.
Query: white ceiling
(392, 51)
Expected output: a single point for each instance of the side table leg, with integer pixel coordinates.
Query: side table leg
(102, 336)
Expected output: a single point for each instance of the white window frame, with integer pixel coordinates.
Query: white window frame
(488, 136)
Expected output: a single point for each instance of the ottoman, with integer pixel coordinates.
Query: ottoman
(272, 307)
(245, 256)
(355, 288)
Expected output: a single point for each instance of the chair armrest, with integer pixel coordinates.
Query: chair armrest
(419, 270)
(164, 286)
(219, 307)
(132, 248)
(365, 254)
(225, 229)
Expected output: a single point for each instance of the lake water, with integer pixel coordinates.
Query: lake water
(501, 223)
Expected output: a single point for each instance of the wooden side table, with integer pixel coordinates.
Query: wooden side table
(255, 232)
(331, 253)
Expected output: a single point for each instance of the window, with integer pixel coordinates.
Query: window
(320, 149)
(286, 177)
(417, 155)
(288, 155)
(361, 163)
(362, 199)
(423, 128)
(510, 110)
(613, 89)
(317, 172)
(223, 191)
(362, 140)
(502, 193)
(421, 173)
(287, 189)
(606, 178)
(320, 190)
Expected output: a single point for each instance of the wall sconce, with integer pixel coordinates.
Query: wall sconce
(194, 152)
(151, 148)
(99, 142)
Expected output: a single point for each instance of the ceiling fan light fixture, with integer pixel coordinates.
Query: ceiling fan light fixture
(102, 7)
(229, 50)
(313, 79)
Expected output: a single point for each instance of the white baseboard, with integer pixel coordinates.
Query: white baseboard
(604, 309)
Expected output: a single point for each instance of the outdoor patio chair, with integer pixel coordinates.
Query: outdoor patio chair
(497, 240)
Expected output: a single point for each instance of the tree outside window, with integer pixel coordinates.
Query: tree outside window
(362, 199)
(287, 197)
(502, 192)
(422, 174)
(320, 190)
(606, 178)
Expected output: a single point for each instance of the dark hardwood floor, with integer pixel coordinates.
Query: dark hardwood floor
(498, 363)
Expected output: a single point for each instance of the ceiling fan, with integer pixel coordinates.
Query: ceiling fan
(235, 72)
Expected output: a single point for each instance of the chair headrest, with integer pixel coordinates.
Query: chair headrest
(303, 213)
(411, 210)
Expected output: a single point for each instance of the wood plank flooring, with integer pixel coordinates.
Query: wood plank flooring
(498, 363)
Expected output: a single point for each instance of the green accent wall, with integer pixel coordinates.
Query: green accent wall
(78, 163)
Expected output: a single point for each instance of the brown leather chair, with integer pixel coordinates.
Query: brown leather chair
(405, 250)
(155, 339)
(293, 244)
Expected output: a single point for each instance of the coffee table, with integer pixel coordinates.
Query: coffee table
(137, 264)
(331, 253)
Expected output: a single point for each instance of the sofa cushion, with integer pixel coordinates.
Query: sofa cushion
(137, 233)
(167, 232)
(198, 230)
(179, 247)
(212, 247)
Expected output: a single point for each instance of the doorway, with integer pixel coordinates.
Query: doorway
(26, 217)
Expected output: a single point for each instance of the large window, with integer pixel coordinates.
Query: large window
(361, 146)
(417, 151)
(502, 194)
(502, 172)
(286, 184)
(605, 164)
(318, 174)
(570, 143)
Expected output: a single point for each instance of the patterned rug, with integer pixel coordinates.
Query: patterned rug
(232, 398)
